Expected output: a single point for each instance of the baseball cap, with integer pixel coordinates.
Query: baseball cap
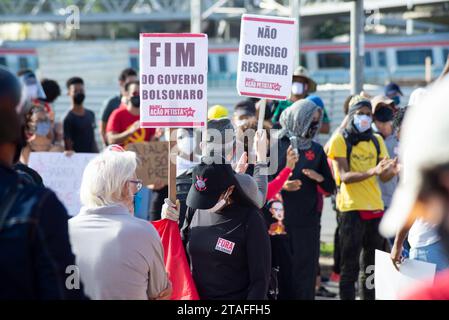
(379, 100)
(209, 181)
(317, 100)
(392, 88)
(217, 111)
(425, 126)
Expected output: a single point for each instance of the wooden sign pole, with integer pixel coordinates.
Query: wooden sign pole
(262, 107)
(172, 156)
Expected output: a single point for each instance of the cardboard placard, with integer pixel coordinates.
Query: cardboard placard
(152, 160)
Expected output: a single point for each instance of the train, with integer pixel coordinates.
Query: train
(387, 58)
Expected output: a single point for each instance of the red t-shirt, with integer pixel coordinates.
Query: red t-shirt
(121, 119)
(436, 290)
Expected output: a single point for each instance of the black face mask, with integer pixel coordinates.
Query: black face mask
(79, 98)
(313, 129)
(135, 101)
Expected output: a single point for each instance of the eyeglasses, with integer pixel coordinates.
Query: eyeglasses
(138, 184)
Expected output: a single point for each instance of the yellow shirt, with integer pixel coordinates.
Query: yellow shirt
(364, 195)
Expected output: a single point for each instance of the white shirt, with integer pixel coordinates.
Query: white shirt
(422, 234)
(119, 256)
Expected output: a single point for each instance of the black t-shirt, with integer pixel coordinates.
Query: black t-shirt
(110, 105)
(229, 253)
(80, 130)
(301, 206)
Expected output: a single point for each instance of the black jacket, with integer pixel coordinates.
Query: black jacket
(229, 253)
(34, 242)
(301, 206)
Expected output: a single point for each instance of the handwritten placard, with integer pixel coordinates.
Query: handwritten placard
(62, 174)
(152, 160)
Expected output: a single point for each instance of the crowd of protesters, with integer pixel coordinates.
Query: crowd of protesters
(247, 233)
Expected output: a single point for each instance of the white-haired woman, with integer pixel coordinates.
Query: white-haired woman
(119, 256)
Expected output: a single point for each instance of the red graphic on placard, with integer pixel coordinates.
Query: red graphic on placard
(310, 155)
(158, 110)
(251, 83)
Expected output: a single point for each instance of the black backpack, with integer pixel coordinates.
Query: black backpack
(349, 146)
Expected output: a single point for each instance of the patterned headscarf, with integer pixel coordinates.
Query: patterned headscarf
(296, 121)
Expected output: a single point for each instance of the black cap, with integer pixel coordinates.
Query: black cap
(209, 181)
(384, 114)
(392, 88)
(245, 108)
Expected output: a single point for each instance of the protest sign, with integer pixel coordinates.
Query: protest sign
(391, 284)
(266, 56)
(62, 174)
(152, 160)
(173, 80)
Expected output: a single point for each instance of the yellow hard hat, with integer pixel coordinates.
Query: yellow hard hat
(217, 111)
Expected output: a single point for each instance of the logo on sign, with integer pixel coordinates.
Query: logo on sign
(225, 246)
(251, 83)
(160, 111)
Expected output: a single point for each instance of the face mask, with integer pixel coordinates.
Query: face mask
(220, 204)
(135, 101)
(397, 100)
(79, 98)
(298, 88)
(313, 129)
(42, 128)
(240, 123)
(187, 145)
(362, 122)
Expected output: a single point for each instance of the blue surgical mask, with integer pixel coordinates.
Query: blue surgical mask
(362, 122)
(43, 128)
(397, 100)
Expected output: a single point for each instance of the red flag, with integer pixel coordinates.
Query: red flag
(175, 261)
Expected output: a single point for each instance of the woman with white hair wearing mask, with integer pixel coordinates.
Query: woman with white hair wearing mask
(119, 256)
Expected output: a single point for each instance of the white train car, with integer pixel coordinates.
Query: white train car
(392, 58)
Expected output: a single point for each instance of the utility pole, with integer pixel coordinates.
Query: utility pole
(357, 46)
(195, 16)
(294, 7)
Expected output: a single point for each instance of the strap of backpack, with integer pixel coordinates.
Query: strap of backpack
(377, 145)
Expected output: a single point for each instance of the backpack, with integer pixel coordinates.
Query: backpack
(349, 146)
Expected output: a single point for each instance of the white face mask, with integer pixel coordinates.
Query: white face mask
(220, 204)
(187, 145)
(240, 123)
(362, 122)
(298, 88)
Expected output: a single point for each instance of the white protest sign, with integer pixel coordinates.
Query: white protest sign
(266, 56)
(391, 284)
(62, 174)
(173, 80)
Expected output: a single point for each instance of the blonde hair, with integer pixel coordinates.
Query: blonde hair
(105, 176)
